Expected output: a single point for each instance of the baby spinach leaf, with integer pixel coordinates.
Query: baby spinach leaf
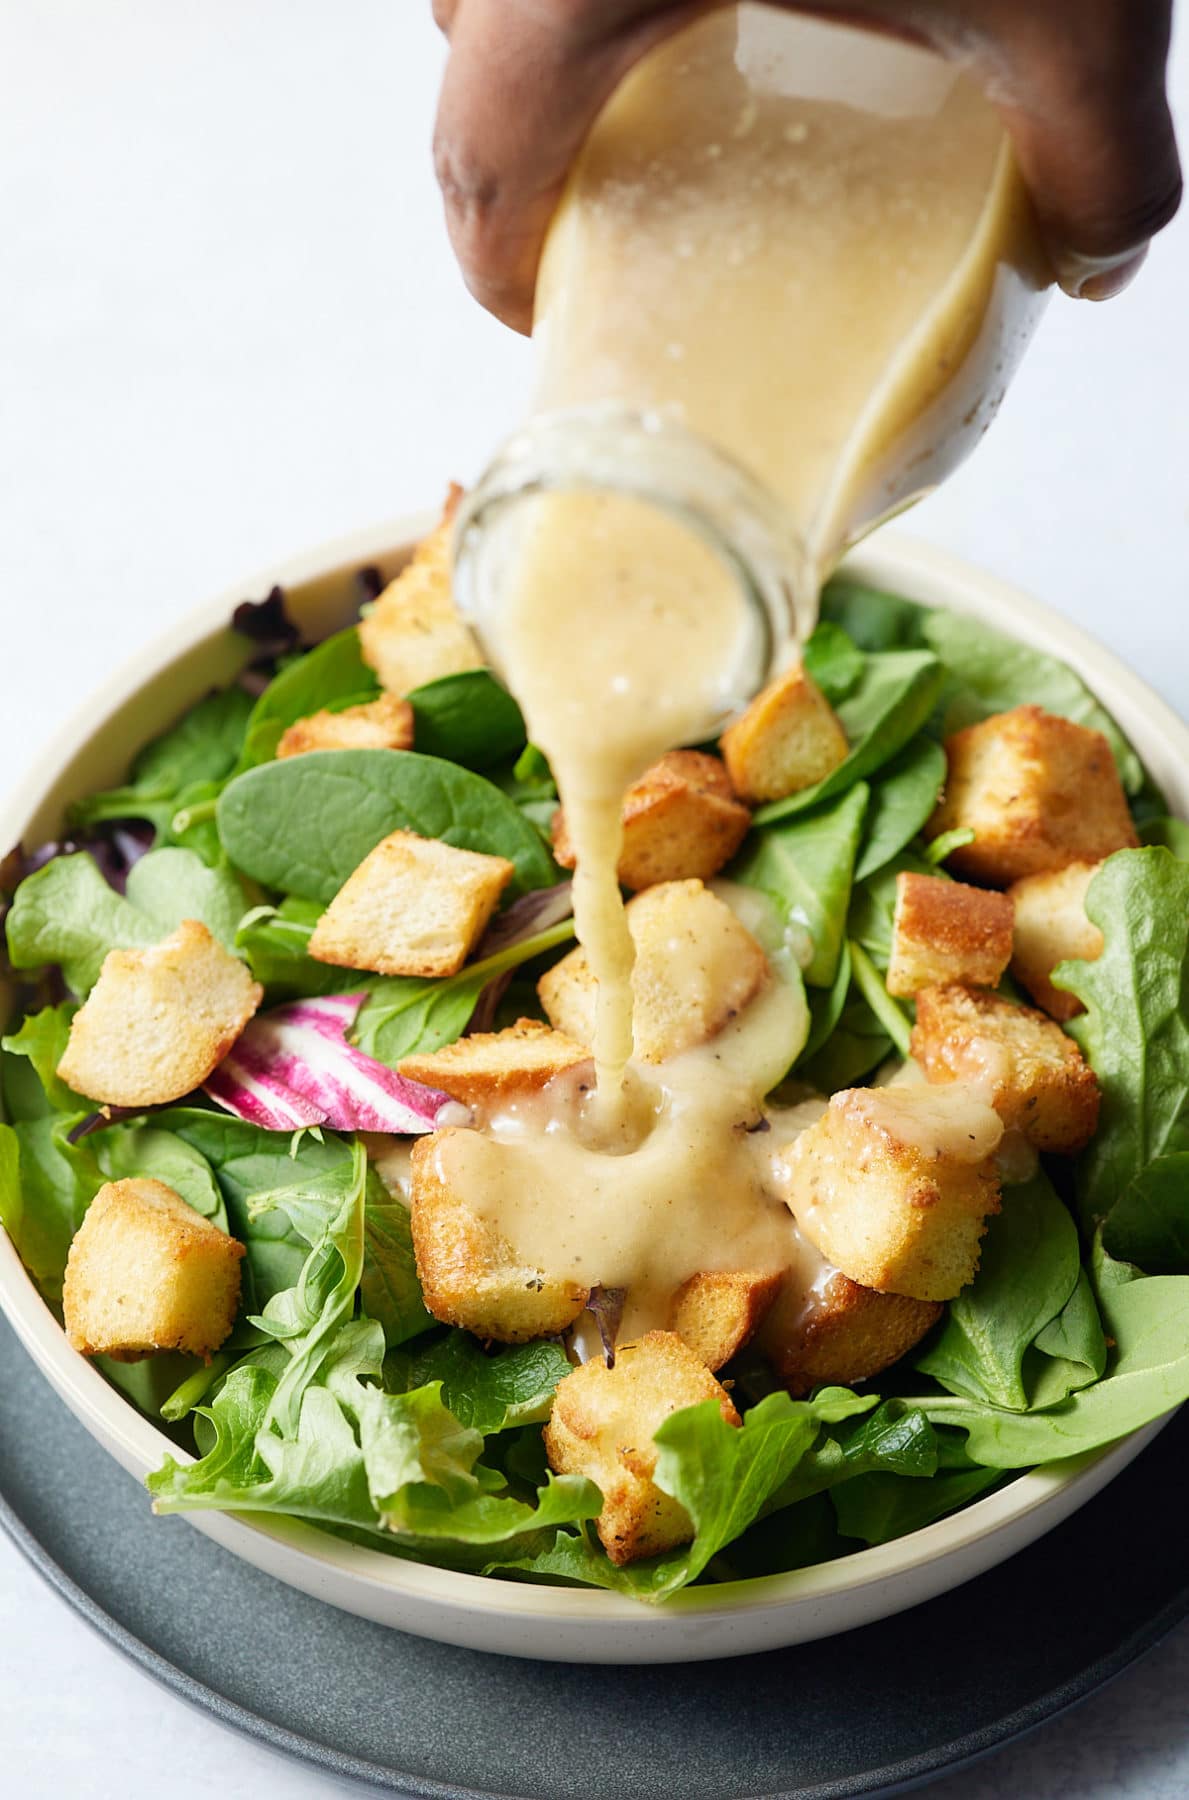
(825, 1008)
(1028, 1272)
(1069, 1353)
(873, 905)
(275, 940)
(42, 1038)
(487, 1392)
(895, 695)
(304, 825)
(467, 718)
(1173, 834)
(874, 619)
(46, 1186)
(833, 660)
(1135, 1035)
(902, 799)
(890, 1014)
(127, 1151)
(879, 1507)
(857, 1044)
(804, 866)
(331, 676)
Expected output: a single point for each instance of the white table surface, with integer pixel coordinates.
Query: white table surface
(230, 328)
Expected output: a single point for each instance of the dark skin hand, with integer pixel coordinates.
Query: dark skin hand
(1079, 84)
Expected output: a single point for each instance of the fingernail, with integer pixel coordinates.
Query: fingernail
(1099, 277)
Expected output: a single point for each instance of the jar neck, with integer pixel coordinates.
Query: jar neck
(648, 457)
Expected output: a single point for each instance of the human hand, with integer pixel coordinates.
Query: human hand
(1079, 84)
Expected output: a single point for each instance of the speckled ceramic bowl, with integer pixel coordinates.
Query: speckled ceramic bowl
(515, 1619)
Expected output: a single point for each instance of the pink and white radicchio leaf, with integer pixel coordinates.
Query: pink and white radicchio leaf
(293, 1066)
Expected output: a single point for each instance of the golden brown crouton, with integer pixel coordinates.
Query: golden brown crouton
(146, 1272)
(945, 931)
(1032, 1073)
(680, 819)
(159, 1021)
(469, 1273)
(715, 1312)
(696, 968)
(1038, 792)
(602, 1426)
(383, 724)
(493, 1066)
(414, 906)
(846, 1334)
(789, 737)
(1050, 926)
(414, 632)
(894, 1189)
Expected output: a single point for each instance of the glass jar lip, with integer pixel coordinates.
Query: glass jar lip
(653, 457)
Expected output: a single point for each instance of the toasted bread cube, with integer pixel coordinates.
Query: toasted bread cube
(414, 906)
(1051, 926)
(716, 1311)
(789, 737)
(696, 968)
(945, 931)
(1038, 791)
(146, 1272)
(158, 1021)
(383, 724)
(846, 1334)
(1032, 1073)
(602, 1426)
(414, 633)
(895, 1189)
(494, 1066)
(681, 819)
(470, 1275)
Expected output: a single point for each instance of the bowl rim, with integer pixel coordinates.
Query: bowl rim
(287, 1546)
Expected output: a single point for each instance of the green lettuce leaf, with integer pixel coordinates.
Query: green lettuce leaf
(42, 1039)
(486, 1391)
(804, 866)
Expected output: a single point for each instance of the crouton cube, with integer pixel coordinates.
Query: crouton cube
(1051, 926)
(383, 724)
(789, 737)
(894, 1189)
(158, 1021)
(696, 968)
(414, 633)
(1032, 1073)
(602, 1426)
(470, 1274)
(845, 1334)
(681, 819)
(414, 906)
(716, 1311)
(1038, 791)
(945, 931)
(494, 1066)
(146, 1272)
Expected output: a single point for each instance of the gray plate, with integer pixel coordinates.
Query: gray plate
(842, 1717)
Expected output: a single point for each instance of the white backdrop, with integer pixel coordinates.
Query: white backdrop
(229, 328)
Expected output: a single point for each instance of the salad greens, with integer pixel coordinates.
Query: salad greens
(338, 1398)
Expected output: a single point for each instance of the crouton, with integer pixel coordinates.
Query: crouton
(146, 1272)
(158, 1021)
(681, 819)
(789, 737)
(845, 1334)
(696, 968)
(945, 931)
(715, 1312)
(1051, 926)
(1038, 791)
(895, 1189)
(494, 1066)
(1032, 1073)
(383, 724)
(602, 1426)
(414, 633)
(470, 1275)
(414, 906)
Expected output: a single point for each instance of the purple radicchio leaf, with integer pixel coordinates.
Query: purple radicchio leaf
(370, 582)
(292, 1066)
(525, 917)
(99, 1121)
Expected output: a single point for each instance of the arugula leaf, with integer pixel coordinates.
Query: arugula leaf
(833, 660)
(486, 1392)
(901, 802)
(304, 825)
(804, 865)
(67, 914)
(1135, 1035)
(895, 695)
(331, 676)
(467, 718)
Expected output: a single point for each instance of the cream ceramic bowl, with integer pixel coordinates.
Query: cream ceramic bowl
(510, 1618)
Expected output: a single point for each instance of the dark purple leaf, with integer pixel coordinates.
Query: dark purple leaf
(525, 917)
(370, 582)
(488, 1003)
(267, 623)
(99, 1121)
(606, 1306)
